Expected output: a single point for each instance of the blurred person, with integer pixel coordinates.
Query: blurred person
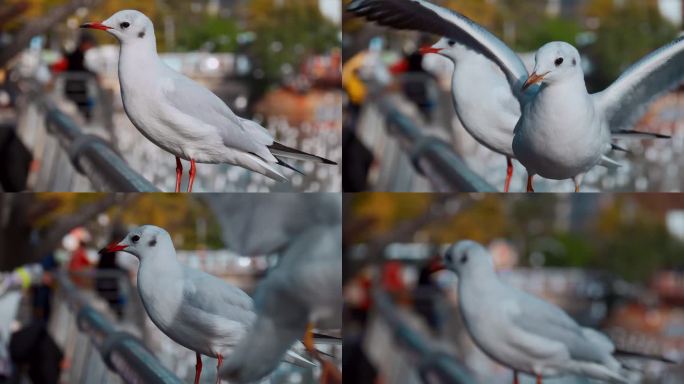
(109, 273)
(358, 158)
(34, 352)
(427, 291)
(356, 366)
(76, 87)
(29, 350)
(41, 292)
(393, 282)
(416, 83)
(79, 263)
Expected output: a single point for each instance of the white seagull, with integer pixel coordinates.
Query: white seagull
(525, 333)
(195, 309)
(575, 149)
(183, 117)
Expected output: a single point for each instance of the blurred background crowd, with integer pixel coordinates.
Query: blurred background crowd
(274, 61)
(613, 262)
(385, 64)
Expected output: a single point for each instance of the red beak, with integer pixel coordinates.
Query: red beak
(115, 247)
(426, 50)
(436, 267)
(95, 25)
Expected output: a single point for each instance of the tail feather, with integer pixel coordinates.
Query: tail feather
(609, 163)
(627, 133)
(278, 149)
(286, 165)
(618, 148)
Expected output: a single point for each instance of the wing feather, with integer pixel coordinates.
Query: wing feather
(624, 101)
(543, 319)
(192, 99)
(424, 16)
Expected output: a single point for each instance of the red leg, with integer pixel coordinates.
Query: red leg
(530, 188)
(218, 368)
(192, 175)
(515, 377)
(509, 174)
(198, 367)
(179, 173)
(539, 379)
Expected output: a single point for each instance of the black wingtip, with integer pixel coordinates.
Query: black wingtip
(624, 353)
(616, 147)
(651, 134)
(288, 166)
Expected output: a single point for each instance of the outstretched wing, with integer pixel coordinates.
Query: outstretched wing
(199, 103)
(624, 101)
(424, 16)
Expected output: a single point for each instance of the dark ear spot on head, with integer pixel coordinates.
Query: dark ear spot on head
(464, 258)
(574, 62)
(153, 242)
(141, 34)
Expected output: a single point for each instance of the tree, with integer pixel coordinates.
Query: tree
(40, 25)
(287, 32)
(31, 228)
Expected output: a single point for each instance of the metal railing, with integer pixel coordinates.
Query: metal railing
(433, 364)
(91, 155)
(431, 156)
(122, 352)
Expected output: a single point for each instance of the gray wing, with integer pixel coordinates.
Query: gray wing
(424, 16)
(192, 99)
(253, 225)
(541, 318)
(624, 101)
(213, 295)
(308, 277)
(282, 320)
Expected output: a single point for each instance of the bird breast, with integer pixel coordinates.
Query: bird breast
(560, 134)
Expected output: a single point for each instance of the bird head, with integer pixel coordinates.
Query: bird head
(127, 26)
(142, 241)
(467, 257)
(446, 47)
(553, 62)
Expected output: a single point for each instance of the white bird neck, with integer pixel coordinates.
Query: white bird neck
(568, 86)
(158, 265)
(481, 283)
(138, 53)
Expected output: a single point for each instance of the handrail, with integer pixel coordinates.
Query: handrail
(432, 362)
(91, 155)
(432, 157)
(122, 352)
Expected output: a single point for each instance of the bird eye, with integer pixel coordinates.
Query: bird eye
(125, 24)
(559, 61)
(451, 43)
(464, 259)
(135, 238)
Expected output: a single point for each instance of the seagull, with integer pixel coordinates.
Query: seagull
(195, 309)
(614, 109)
(302, 292)
(482, 99)
(525, 333)
(183, 117)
